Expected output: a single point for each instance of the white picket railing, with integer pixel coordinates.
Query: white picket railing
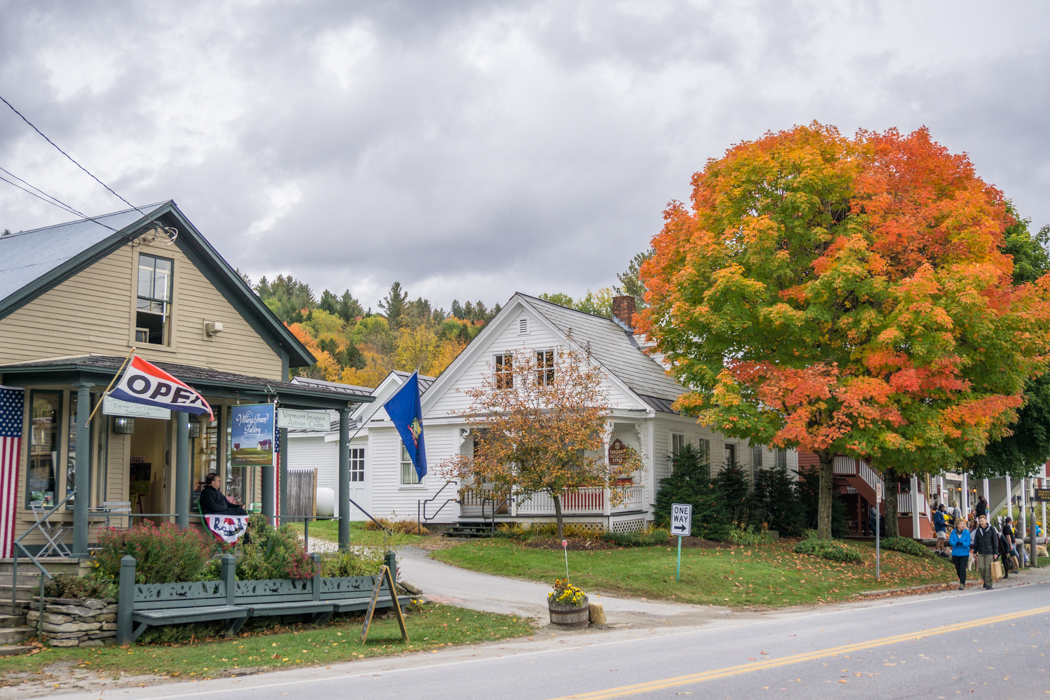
(585, 501)
(904, 504)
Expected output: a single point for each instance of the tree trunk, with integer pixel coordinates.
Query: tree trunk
(826, 492)
(557, 514)
(889, 477)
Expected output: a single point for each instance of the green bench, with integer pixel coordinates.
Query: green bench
(141, 606)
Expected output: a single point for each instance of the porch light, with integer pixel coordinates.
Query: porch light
(122, 425)
(195, 429)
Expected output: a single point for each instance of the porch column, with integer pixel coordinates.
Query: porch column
(915, 532)
(1024, 509)
(82, 473)
(987, 492)
(344, 479)
(1009, 499)
(965, 495)
(269, 498)
(283, 507)
(182, 469)
(1042, 482)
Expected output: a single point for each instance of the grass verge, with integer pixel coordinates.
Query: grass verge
(431, 628)
(740, 577)
(329, 530)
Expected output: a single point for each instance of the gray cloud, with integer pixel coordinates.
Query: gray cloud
(471, 149)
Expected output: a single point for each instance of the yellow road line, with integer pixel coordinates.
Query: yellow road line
(715, 674)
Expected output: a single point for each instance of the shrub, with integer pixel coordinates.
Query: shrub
(163, 554)
(400, 527)
(828, 549)
(73, 586)
(750, 536)
(734, 488)
(365, 562)
(907, 546)
(273, 553)
(690, 482)
(776, 494)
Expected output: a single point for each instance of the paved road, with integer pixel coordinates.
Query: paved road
(975, 643)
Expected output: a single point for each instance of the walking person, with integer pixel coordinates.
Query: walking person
(982, 507)
(940, 526)
(1009, 545)
(960, 542)
(985, 543)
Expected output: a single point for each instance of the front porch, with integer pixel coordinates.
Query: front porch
(591, 508)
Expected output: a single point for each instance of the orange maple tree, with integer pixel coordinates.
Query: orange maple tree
(846, 296)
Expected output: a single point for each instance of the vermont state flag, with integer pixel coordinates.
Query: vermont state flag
(407, 415)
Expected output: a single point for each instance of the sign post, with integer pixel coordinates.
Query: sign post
(878, 503)
(682, 526)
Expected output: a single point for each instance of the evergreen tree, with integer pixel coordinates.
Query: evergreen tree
(690, 482)
(809, 497)
(394, 305)
(349, 308)
(777, 496)
(734, 487)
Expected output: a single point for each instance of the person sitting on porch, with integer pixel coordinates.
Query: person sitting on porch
(213, 502)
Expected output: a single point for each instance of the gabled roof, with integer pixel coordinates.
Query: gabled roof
(32, 262)
(425, 382)
(615, 349)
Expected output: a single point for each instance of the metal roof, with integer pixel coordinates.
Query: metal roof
(29, 255)
(424, 381)
(617, 351)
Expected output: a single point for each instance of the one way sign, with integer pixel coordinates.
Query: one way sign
(681, 519)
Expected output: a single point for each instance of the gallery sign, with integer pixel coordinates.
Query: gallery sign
(252, 435)
(293, 419)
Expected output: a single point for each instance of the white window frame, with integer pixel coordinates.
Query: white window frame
(678, 441)
(408, 471)
(703, 445)
(730, 447)
(757, 464)
(499, 361)
(545, 375)
(357, 464)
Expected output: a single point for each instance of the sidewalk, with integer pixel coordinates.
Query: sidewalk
(442, 583)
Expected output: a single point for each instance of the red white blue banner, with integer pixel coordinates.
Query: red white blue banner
(150, 385)
(228, 528)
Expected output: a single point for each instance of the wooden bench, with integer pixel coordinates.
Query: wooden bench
(141, 606)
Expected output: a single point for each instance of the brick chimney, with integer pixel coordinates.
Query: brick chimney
(623, 311)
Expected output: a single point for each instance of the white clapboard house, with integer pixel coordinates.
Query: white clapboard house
(641, 416)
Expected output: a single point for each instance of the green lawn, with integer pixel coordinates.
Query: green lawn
(761, 576)
(329, 530)
(431, 628)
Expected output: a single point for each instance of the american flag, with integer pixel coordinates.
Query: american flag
(12, 404)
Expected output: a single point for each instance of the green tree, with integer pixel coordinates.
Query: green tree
(776, 494)
(631, 283)
(287, 297)
(394, 305)
(690, 482)
(349, 308)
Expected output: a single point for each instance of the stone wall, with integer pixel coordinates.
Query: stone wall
(76, 622)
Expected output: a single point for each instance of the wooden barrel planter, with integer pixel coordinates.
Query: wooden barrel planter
(569, 615)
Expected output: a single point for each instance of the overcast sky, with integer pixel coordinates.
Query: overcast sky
(473, 149)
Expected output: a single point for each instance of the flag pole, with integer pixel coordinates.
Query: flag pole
(106, 392)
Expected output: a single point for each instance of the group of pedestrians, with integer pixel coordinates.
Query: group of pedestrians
(986, 543)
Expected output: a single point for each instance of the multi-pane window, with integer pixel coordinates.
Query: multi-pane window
(730, 453)
(153, 302)
(408, 470)
(71, 448)
(782, 458)
(545, 367)
(504, 366)
(756, 460)
(703, 446)
(357, 463)
(43, 446)
(677, 443)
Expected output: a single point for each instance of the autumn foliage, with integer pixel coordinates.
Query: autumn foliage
(846, 295)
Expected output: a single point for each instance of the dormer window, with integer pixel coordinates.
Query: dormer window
(153, 302)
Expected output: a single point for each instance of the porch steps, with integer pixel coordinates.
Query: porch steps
(467, 529)
(14, 650)
(16, 635)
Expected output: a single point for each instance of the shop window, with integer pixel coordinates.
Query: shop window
(71, 447)
(408, 470)
(46, 412)
(153, 303)
(357, 464)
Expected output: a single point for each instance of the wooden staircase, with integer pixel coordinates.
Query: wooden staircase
(857, 474)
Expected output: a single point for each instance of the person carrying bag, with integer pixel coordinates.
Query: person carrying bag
(985, 544)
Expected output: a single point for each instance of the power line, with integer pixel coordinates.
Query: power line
(70, 157)
(53, 201)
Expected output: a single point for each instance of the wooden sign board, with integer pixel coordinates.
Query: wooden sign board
(385, 577)
(1041, 495)
(617, 452)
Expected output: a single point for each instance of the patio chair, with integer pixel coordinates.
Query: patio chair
(54, 534)
(114, 510)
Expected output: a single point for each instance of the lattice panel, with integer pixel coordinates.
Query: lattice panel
(625, 526)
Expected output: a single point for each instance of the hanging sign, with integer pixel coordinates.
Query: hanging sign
(293, 419)
(617, 453)
(115, 407)
(1041, 495)
(252, 435)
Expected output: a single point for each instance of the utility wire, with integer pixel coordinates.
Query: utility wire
(70, 157)
(53, 201)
